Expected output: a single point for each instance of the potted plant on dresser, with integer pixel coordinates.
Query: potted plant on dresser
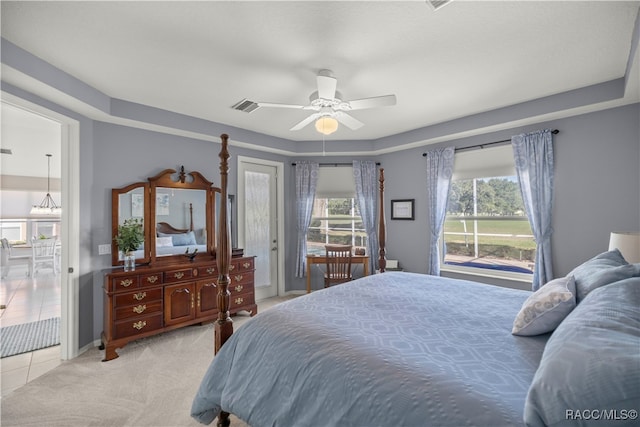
(129, 238)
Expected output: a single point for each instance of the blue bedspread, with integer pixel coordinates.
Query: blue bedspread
(392, 349)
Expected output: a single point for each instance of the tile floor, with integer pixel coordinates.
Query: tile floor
(28, 300)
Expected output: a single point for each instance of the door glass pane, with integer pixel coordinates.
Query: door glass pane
(257, 224)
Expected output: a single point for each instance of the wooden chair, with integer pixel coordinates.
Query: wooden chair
(44, 254)
(338, 259)
(9, 259)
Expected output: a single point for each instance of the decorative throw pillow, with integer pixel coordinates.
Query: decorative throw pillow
(590, 364)
(601, 270)
(184, 239)
(545, 309)
(163, 242)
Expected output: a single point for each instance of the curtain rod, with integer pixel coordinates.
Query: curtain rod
(486, 144)
(335, 164)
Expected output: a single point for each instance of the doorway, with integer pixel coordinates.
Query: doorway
(260, 227)
(69, 148)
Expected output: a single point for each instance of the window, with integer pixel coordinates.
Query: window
(335, 218)
(337, 221)
(486, 228)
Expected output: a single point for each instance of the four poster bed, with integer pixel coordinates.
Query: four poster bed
(415, 350)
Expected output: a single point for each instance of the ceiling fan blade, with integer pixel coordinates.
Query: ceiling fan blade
(326, 85)
(350, 122)
(376, 101)
(276, 105)
(306, 121)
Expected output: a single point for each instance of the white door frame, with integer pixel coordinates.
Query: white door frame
(70, 235)
(279, 208)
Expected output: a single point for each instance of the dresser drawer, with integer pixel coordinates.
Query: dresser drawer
(142, 308)
(240, 300)
(245, 264)
(138, 325)
(124, 283)
(211, 271)
(140, 296)
(173, 276)
(151, 279)
(245, 278)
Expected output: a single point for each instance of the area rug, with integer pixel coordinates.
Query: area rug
(17, 339)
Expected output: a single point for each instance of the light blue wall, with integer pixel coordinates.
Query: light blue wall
(597, 173)
(597, 179)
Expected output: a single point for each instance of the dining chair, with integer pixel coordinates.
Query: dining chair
(338, 260)
(10, 259)
(44, 254)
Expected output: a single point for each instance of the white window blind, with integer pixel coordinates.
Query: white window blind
(335, 182)
(485, 162)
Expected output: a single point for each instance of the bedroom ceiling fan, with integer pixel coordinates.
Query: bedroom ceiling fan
(328, 106)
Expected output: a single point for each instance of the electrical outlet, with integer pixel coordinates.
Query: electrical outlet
(104, 249)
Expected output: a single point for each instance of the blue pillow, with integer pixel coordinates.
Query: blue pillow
(601, 270)
(184, 239)
(591, 363)
(546, 308)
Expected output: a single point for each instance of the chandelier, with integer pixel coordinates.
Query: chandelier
(48, 205)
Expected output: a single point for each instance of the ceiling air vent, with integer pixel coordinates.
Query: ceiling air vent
(437, 4)
(246, 106)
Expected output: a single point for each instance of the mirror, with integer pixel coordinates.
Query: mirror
(178, 213)
(127, 203)
(180, 221)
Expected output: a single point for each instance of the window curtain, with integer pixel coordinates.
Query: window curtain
(365, 175)
(439, 171)
(533, 155)
(306, 181)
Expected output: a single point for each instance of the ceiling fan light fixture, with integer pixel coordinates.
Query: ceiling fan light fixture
(326, 125)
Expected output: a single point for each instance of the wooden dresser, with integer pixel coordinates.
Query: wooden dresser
(151, 300)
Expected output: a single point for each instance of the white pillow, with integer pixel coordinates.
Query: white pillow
(164, 242)
(546, 308)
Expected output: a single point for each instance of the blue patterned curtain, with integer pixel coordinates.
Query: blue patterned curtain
(439, 171)
(365, 175)
(533, 154)
(306, 181)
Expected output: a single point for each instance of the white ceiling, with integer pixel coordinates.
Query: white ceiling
(199, 58)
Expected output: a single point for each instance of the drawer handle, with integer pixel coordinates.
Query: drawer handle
(246, 265)
(211, 270)
(126, 282)
(139, 309)
(239, 301)
(139, 296)
(238, 288)
(178, 275)
(209, 284)
(139, 325)
(152, 279)
(238, 277)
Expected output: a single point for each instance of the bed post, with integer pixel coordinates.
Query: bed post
(382, 232)
(224, 325)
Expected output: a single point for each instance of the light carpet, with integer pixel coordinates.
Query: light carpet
(152, 383)
(18, 339)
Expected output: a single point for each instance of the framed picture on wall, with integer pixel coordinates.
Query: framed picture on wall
(162, 204)
(403, 209)
(137, 205)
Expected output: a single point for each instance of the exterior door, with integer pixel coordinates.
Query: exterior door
(258, 223)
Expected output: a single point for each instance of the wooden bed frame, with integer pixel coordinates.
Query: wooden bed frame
(224, 325)
(166, 228)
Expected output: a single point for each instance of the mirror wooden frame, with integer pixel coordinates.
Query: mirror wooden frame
(172, 179)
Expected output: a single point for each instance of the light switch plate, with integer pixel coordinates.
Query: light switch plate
(104, 249)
